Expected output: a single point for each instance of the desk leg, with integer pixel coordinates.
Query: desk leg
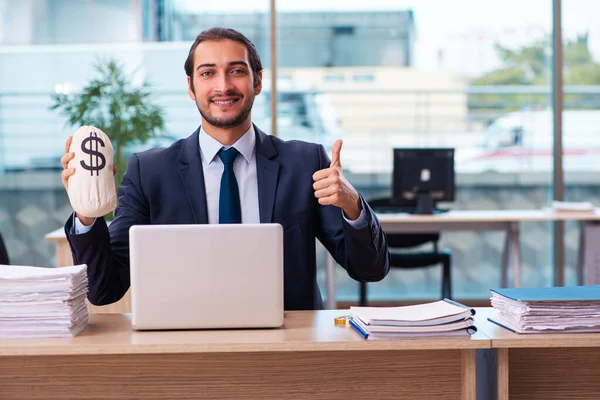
(502, 374)
(516, 253)
(505, 253)
(581, 253)
(468, 375)
(330, 267)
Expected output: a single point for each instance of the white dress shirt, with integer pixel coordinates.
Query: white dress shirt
(244, 168)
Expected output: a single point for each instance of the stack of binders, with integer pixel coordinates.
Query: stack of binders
(444, 318)
(547, 310)
(40, 302)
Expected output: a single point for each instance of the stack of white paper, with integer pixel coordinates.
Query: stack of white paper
(42, 302)
(546, 310)
(441, 318)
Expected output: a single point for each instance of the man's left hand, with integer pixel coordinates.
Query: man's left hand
(332, 188)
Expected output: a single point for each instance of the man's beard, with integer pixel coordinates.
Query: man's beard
(227, 123)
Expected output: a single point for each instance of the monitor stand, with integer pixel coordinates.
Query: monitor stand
(424, 203)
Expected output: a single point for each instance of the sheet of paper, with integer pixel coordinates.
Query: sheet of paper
(414, 313)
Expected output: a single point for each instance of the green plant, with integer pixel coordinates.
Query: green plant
(112, 103)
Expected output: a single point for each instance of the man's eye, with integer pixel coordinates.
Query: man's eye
(238, 71)
(206, 73)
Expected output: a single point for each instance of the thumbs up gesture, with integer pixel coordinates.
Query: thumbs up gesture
(332, 188)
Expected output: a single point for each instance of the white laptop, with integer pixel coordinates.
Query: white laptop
(206, 276)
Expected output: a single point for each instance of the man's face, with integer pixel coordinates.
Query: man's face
(223, 84)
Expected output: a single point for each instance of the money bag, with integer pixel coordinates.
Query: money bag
(92, 187)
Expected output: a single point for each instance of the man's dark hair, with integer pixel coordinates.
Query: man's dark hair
(216, 34)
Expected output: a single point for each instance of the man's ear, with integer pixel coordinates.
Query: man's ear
(258, 86)
(191, 89)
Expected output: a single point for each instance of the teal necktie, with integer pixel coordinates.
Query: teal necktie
(230, 211)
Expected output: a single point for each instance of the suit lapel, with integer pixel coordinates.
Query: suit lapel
(267, 173)
(192, 177)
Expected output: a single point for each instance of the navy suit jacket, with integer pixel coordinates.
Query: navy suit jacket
(166, 186)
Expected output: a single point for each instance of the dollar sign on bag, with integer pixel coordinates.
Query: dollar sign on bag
(97, 160)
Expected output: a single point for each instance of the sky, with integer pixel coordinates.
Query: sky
(436, 20)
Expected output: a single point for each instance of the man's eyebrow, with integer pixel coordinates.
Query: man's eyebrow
(205, 65)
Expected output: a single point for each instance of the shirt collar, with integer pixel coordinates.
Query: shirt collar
(209, 146)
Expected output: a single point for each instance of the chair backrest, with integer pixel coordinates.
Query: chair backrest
(3, 253)
(403, 240)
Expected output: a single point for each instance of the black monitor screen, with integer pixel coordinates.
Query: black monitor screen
(423, 177)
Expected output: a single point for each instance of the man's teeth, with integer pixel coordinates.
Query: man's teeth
(223, 102)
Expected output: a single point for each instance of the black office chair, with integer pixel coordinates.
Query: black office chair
(3, 252)
(419, 259)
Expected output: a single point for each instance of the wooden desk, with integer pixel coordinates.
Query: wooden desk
(64, 259)
(310, 358)
(475, 220)
(543, 366)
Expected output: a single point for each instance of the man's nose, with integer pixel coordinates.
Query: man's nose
(224, 84)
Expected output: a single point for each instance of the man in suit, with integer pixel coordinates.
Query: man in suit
(292, 183)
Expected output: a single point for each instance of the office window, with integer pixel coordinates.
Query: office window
(343, 30)
(581, 116)
(471, 81)
(33, 201)
(363, 78)
(334, 78)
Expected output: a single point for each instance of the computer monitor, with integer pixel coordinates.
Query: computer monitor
(422, 178)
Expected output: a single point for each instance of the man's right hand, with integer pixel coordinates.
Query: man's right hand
(67, 172)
